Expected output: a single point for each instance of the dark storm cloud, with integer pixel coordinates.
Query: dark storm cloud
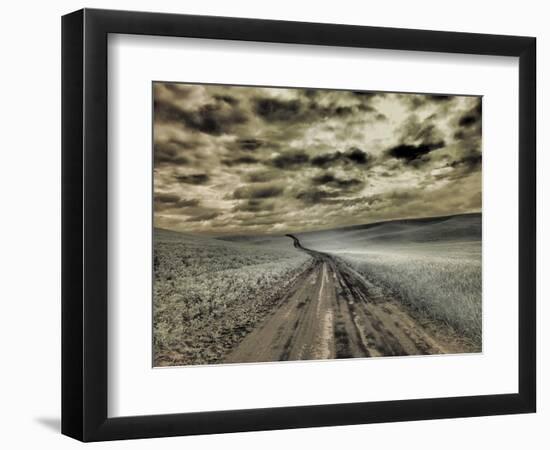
(275, 110)
(354, 155)
(364, 108)
(467, 158)
(290, 160)
(270, 160)
(179, 91)
(227, 99)
(204, 217)
(428, 133)
(418, 138)
(307, 109)
(469, 124)
(167, 198)
(365, 104)
(410, 153)
(240, 161)
(459, 135)
(214, 118)
(413, 101)
(470, 162)
(471, 117)
(254, 205)
(196, 178)
(248, 221)
(316, 111)
(416, 131)
(365, 201)
(172, 201)
(440, 98)
(326, 159)
(478, 107)
(395, 197)
(256, 191)
(170, 153)
(328, 179)
(261, 177)
(249, 144)
(368, 96)
(468, 120)
(416, 101)
(342, 111)
(315, 196)
(399, 197)
(168, 112)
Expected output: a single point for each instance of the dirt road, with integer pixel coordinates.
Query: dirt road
(330, 312)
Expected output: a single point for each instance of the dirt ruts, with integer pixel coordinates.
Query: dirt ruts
(330, 312)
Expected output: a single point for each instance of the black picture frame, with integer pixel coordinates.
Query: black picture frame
(84, 224)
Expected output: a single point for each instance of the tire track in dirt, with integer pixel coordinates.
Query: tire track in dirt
(331, 312)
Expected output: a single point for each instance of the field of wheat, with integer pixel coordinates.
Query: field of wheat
(439, 281)
(208, 293)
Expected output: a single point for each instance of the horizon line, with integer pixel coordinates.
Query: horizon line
(282, 233)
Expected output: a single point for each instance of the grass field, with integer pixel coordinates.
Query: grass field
(432, 266)
(209, 293)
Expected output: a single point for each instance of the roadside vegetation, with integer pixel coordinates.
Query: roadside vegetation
(441, 283)
(431, 266)
(208, 293)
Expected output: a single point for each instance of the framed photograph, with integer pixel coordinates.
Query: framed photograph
(273, 225)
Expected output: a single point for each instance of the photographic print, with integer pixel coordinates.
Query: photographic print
(313, 224)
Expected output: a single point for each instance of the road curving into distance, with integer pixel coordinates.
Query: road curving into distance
(331, 311)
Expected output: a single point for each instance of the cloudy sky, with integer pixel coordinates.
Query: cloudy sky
(248, 160)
